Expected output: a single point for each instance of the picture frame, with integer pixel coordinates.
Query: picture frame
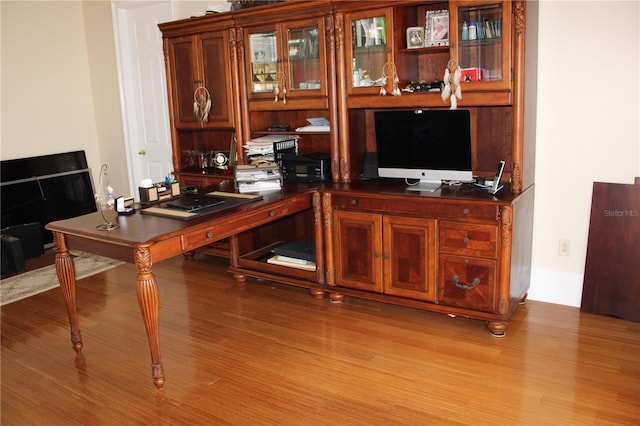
(437, 28)
(415, 37)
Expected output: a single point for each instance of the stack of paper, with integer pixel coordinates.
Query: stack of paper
(264, 177)
(318, 124)
(262, 147)
(292, 262)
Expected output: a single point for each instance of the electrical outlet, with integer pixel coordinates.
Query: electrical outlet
(564, 247)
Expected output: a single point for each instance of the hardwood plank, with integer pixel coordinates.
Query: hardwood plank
(265, 353)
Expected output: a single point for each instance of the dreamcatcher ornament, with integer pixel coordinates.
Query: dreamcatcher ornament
(389, 71)
(201, 104)
(452, 90)
(281, 80)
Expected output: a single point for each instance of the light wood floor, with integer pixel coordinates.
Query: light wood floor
(262, 353)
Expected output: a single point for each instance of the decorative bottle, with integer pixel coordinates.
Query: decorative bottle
(465, 31)
(473, 34)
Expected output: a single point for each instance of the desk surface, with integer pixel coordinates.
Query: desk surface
(140, 230)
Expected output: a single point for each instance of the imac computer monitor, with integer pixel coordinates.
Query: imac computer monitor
(428, 145)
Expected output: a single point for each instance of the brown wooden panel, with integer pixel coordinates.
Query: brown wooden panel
(468, 239)
(358, 246)
(467, 282)
(409, 257)
(217, 79)
(612, 270)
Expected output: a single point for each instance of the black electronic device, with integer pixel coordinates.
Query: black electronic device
(12, 253)
(428, 145)
(314, 167)
(495, 186)
(192, 203)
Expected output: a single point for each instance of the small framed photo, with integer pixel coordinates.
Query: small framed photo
(415, 37)
(437, 28)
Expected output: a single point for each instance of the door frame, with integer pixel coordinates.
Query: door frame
(119, 10)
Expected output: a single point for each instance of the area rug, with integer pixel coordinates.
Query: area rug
(40, 280)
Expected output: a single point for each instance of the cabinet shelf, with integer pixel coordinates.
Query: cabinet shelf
(430, 49)
(482, 42)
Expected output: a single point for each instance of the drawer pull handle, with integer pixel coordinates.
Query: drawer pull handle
(209, 234)
(465, 211)
(272, 213)
(464, 286)
(466, 240)
(354, 202)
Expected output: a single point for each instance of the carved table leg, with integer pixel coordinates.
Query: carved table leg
(148, 301)
(66, 271)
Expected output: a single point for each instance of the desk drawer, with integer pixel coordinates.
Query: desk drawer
(468, 239)
(244, 221)
(198, 239)
(425, 207)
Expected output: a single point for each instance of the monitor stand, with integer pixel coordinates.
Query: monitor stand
(425, 186)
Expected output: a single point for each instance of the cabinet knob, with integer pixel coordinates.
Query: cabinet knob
(466, 240)
(272, 213)
(465, 211)
(209, 234)
(354, 202)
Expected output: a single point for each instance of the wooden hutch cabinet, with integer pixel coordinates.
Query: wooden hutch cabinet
(203, 107)
(459, 251)
(288, 68)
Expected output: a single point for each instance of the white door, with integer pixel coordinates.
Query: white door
(143, 87)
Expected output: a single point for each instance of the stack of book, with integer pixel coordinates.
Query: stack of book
(261, 177)
(296, 254)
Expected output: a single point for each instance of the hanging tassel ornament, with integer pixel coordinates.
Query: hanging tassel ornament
(452, 90)
(201, 104)
(389, 71)
(281, 80)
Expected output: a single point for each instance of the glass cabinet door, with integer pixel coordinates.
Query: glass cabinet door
(483, 38)
(263, 51)
(305, 58)
(368, 39)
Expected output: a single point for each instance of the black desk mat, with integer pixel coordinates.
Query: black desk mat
(231, 199)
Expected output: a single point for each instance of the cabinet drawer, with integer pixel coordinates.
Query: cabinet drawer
(467, 282)
(468, 239)
(198, 239)
(247, 220)
(415, 206)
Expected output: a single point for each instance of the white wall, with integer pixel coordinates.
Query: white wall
(59, 83)
(587, 129)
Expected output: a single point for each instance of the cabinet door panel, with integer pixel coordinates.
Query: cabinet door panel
(307, 70)
(409, 257)
(217, 77)
(467, 282)
(182, 58)
(358, 244)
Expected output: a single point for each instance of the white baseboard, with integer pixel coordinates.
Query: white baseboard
(563, 288)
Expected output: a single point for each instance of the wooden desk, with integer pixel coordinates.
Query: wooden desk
(145, 239)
